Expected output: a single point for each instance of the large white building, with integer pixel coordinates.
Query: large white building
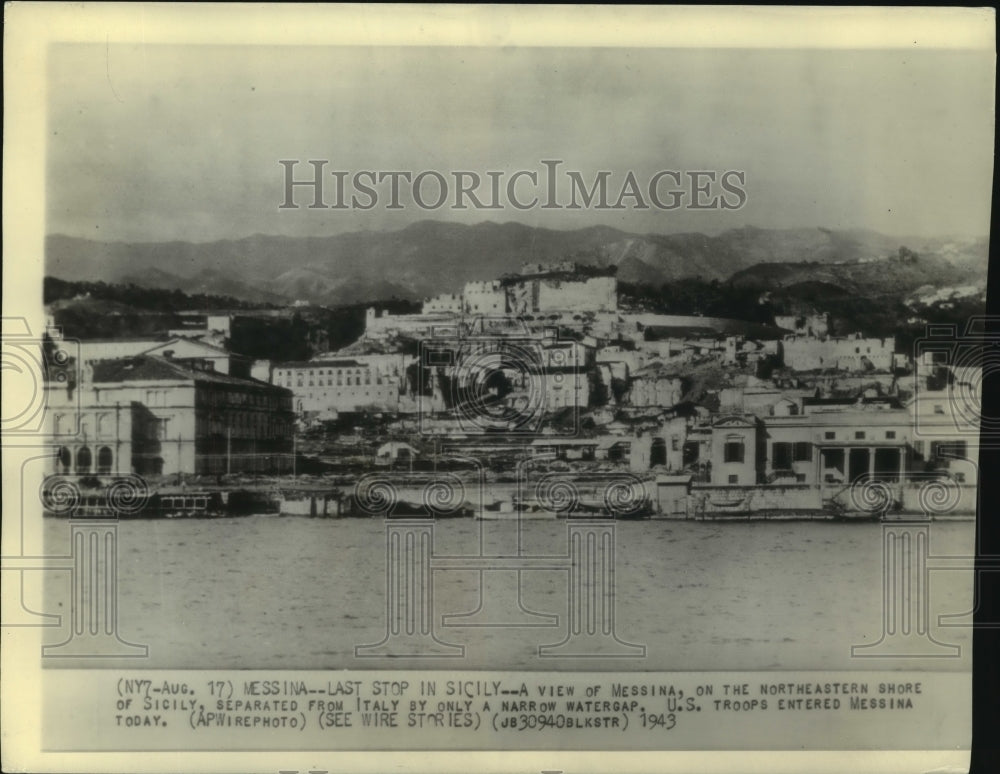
(329, 386)
(487, 297)
(559, 292)
(852, 353)
(153, 415)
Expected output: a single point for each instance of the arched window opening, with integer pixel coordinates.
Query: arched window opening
(83, 460)
(104, 460)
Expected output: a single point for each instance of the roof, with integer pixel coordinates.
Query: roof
(197, 343)
(847, 400)
(733, 420)
(859, 419)
(657, 368)
(151, 368)
(343, 363)
(155, 339)
(157, 342)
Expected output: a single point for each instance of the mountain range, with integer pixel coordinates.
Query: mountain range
(430, 257)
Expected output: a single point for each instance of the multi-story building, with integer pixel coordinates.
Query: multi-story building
(653, 386)
(831, 444)
(449, 303)
(561, 292)
(853, 353)
(485, 297)
(564, 374)
(737, 454)
(327, 387)
(832, 449)
(152, 415)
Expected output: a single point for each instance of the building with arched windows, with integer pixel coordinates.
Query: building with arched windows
(155, 416)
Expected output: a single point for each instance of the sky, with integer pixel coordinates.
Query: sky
(183, 142)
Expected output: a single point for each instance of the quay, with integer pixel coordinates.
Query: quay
(493, 502)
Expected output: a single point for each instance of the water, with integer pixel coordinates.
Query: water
(298, 593)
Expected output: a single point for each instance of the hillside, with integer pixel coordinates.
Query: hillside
(895, 275)
(430, 257)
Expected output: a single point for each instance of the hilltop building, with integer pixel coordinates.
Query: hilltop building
(851, 353)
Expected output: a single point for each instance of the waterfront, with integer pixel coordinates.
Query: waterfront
(296, 593)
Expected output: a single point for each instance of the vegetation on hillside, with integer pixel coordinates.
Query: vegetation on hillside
(140, 298)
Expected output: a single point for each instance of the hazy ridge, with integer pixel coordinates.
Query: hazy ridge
(430, 257)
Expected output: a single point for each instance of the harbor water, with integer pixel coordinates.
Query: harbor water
(278, 592)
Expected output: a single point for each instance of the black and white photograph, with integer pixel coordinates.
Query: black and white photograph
(454, 379)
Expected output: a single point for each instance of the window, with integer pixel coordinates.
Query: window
(938, 408)
(803, 452)
(65, 460)
(734, 479)
(829, 435)
(733, 451)
(890, 434)
(948, 449)
(781, 456)
(83, 460)
(859, 435)
(104, 460)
